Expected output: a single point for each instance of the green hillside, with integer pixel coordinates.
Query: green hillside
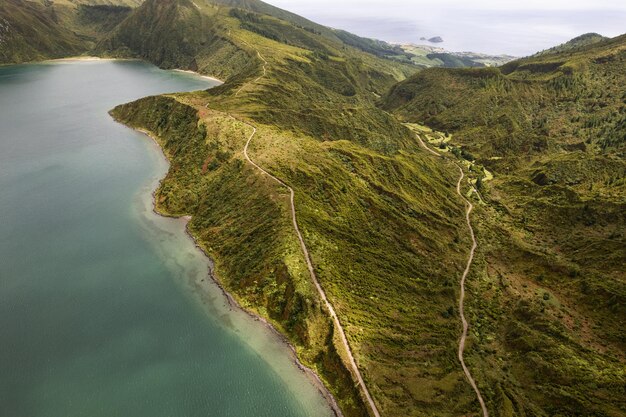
(315, 85)
(305, 88)
(375, 211)
(549, 289)
(380, 215)
(30, 31)
(373, 46)
(567, 100)
(576, 43)
(37, 30)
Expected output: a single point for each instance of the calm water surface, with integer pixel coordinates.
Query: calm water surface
(105, 309)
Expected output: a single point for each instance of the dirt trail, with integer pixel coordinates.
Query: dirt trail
(470, 260)
(470, 379)
(427, 148)
(320, 290)
(338, 327)
(259, 78)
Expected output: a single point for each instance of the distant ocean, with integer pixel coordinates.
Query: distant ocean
(513, 32)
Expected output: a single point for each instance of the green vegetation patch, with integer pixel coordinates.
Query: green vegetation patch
(386, 234)
(547, 293)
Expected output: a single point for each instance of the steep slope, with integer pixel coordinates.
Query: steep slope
(374, 224)
(94, 21)
(176, 34)
(373, 46)
(576, 43)
(263, 8)
(375, 211)
(36, 30)
(579, 91)
(550, 289)
(30, 31)
(381, 217)
(315, 85)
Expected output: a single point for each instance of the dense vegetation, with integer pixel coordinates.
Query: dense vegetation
(351, 165)
(549, 287)
(452, 61)
(576, 43)
(317, 86)
(30, 31)
(376, 213)
(318, 94)
(102, 18)
(40, 29)
(380, 216)
(385, 279)
(37, 30)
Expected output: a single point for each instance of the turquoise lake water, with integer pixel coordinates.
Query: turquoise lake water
(105, 308)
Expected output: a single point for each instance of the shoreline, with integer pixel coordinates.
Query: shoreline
(208, 77)
(80, 58)
(90, 58)
(68, 59)
(233, 303)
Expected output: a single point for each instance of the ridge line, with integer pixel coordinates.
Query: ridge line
(355, 369)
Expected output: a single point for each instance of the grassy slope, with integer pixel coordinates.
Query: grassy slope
(549, 287)
(576, 43)
(352, 165)
(373, 46)
(30, 31)
(318, 86)
(242, 220)
(37, 30)
(385, 279)
(175, 34)
(377, 214)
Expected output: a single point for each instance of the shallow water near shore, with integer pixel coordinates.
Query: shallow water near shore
(106, 309)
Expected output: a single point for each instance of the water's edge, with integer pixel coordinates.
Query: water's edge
(233, 303)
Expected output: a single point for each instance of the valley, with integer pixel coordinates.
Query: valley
(553, 212)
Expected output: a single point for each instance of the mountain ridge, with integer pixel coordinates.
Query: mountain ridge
(317, 95)
(85, 36)
(575, 43)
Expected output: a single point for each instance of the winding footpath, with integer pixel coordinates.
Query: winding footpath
(470, 260)
(320, 290)
(331, 310)
(257, 79)
(470, 379)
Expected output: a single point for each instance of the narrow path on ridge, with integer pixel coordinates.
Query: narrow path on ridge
(258, 78)
(470, 260)
(344, 340)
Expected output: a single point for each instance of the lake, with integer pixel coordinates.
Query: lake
(106, 309)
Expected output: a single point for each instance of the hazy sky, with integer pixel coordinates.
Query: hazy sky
(519, 27)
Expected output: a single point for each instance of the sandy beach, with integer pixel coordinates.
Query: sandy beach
(96, 58)
(200, 75)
